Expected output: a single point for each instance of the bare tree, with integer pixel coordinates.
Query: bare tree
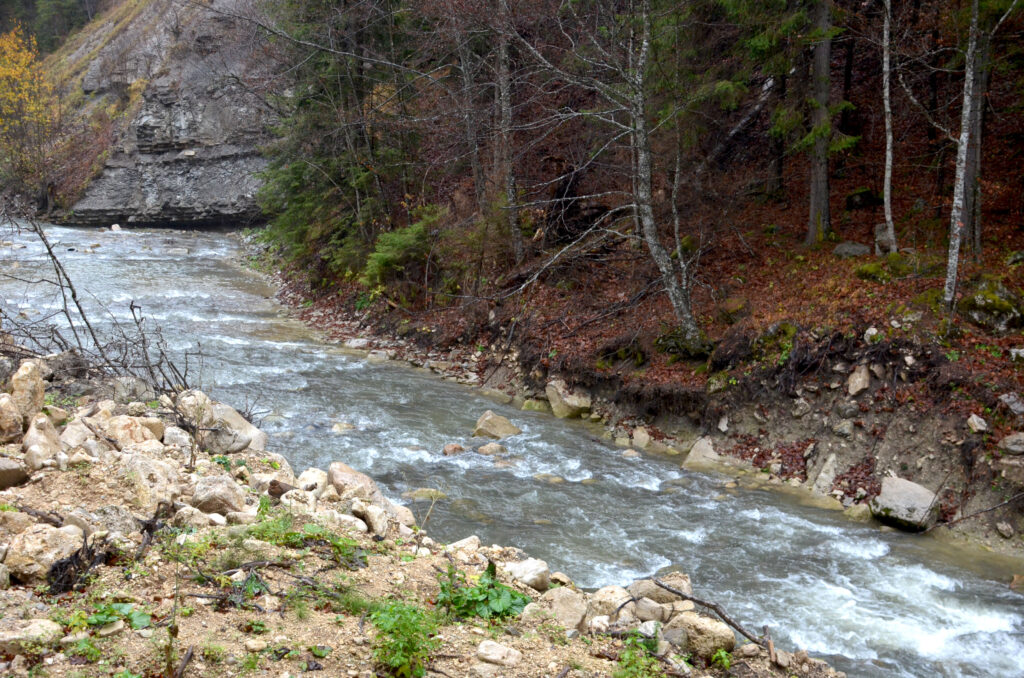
(890, 230)
(819, 221)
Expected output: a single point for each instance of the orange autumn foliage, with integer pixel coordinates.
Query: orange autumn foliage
(27, 111)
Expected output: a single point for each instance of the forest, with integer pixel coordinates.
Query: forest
(637, 176)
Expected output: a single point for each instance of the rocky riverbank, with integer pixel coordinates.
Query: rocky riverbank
(141, 534)
(882, 430)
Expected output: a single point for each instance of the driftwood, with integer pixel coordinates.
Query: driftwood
(717, 610)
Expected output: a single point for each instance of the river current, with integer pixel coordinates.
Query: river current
(869, 602)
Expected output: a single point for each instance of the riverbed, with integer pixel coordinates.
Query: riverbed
(871, 603)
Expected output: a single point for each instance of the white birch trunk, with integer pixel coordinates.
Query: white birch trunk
(890, 230)
(956, 222)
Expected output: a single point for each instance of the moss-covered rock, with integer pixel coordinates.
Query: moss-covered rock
(680, 346)
(993, 306)
(776, 343)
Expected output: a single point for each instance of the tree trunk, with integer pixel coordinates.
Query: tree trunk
(506, 170)
(956, 223)
(470, 127)
(674, 276)
(972, 195)
(890, 230)
(819, 223)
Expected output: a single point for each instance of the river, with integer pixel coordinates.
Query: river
(871, 603)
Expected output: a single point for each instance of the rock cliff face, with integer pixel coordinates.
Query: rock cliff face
(189, 155)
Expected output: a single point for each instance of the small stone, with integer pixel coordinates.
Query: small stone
(641, 437)
(532, 572)
(843, 428)
(495, 653)
(492, 449)
(111, 629)
(800, 408)
(1013, 443)
(452, 449)
(858, 380)
(976, 424)
(630, 454)
(1005, 530)
(723, 424)
(255, 645)
(1013, 403)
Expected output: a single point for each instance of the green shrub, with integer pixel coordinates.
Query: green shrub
(397, 250)
(405, 638)
(635, 660)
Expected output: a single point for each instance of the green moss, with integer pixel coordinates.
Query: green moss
(775, 345)
(899, 265)
(930, 299)
(872, 271)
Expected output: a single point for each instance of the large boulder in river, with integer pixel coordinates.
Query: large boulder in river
(905, 504)
(491, 425)
(11, 421)
(27, 389)
(564, 402)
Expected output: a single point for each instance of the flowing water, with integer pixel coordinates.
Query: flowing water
(872, 603)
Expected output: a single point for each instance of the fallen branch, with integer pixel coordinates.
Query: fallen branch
(54, 519)
(717, 610)
(184, 662)
(1019, 495)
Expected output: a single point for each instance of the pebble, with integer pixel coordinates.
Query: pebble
(255, 645)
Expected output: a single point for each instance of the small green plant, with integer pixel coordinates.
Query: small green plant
(721, 658)
(4, 506)
(635, 660)
(112, 612)
(87, 650)
(319, 651)
(255, 626)
(488, 598)
(125, 673)
(222, 461)
(405, 638)
(213, 654)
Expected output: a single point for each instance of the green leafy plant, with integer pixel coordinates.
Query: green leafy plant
(255, 626)
(721, 658)
(635, 660)
(319, 651)
(405, 638)
(222, 461)
(279, 530)
(488, 599)
(86, 649)
(112, 612)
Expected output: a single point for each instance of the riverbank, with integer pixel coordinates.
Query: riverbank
(144, 537)
(833, 415)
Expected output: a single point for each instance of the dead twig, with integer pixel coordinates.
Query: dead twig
(716, 608)
(1012, 499)
(49, 517)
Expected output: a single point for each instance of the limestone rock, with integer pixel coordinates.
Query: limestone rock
(495, 653)
(231, 432)
(375, 517)
(177, 436)
(1013, 443)
(11, 420)
(641, 438)
(491, 425)
(470, 543)
(196, 406)
(25, 635)
(28, 389)
(218, 494)
(75, 434)
(128, 389)
(12, 473)
(702, 455)
(128, 430)
(976, 424)
(352, 483)
(32, 552)
(535, 405)
(150, 480)
(826, 476)
(606, 601)
(533, 572)
(564, 402)
(905, 504)
(858, 380)
(315, 478)
(993, 306)
(452, 449)
(188, 516)
(646, 588)
(705, 635)
(568, 607)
